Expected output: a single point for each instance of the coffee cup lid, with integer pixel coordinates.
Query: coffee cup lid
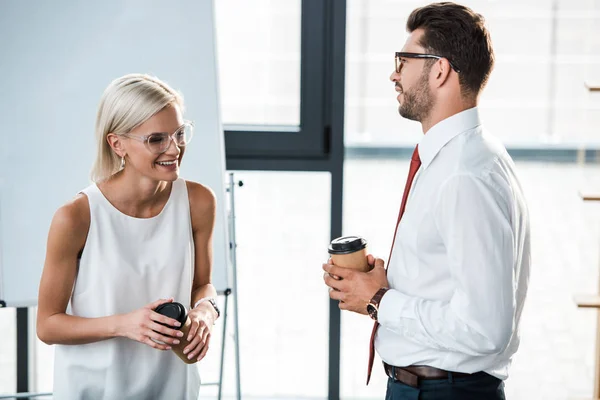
(347, 244)
(173, 310)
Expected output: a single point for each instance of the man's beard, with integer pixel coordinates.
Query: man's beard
(418, 102)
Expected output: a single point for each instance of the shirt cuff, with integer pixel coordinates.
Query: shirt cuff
(393, 307)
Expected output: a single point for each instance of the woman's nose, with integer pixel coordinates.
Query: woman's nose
(173, 144)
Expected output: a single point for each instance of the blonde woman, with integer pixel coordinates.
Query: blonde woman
(140, 236)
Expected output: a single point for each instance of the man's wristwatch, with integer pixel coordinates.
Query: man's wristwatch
(373, 306)
(212, 301)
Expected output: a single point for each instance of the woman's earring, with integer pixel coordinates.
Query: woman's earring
(122, 162)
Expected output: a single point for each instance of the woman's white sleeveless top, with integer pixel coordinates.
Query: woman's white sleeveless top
(127, 263)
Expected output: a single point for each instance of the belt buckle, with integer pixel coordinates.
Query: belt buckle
(407, 378)
(403, 376)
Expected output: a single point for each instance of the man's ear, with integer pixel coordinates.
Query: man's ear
(441, 72)
(116, 143)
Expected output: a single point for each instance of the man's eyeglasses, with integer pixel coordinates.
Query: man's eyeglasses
(159, 142)
(401, 55)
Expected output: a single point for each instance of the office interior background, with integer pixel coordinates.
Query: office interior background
(538, 102)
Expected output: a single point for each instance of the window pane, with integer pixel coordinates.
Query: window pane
(538, 81)
(44, 365)
(374, 218)
(282, 233)
(258, 43)
(8, 350)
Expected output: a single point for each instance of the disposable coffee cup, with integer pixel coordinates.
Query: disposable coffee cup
(178, 312)
(349, 252)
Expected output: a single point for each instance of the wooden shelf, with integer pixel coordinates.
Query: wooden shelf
(589, 196)
(587, 301)
(593, 87)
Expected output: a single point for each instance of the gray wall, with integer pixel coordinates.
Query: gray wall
(56, 58)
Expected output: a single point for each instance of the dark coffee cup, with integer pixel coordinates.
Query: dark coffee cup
(178, 312)
(172, 310)
(349, 252)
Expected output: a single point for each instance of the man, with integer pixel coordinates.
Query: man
(447, 309)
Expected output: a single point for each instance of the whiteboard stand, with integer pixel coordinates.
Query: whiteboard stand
(219, 383)
(232, 253)
(232, 249)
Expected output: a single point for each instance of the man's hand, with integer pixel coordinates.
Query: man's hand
(354, 289)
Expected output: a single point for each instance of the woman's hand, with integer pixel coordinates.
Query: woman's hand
(203, 319)
(143, 326)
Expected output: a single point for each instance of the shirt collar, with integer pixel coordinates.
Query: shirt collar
(444, 131)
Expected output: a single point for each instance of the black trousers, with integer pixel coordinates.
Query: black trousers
(479, 386)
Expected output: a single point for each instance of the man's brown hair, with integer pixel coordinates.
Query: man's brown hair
(458, 34)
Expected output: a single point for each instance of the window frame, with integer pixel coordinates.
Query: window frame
(312, 138)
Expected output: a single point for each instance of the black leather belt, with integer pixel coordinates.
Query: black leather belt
(413, 374)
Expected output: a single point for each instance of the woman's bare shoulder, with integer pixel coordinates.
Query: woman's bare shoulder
(202, 206)
(201, 196)
(73, 217)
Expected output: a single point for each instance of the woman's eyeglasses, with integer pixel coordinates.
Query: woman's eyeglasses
(159, 142)
(400, 55)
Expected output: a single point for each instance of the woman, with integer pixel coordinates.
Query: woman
(138, 234)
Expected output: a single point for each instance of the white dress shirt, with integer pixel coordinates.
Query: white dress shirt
(459, 269)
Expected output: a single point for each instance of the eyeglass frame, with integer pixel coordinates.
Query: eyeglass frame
(144, 138)
(400, 54)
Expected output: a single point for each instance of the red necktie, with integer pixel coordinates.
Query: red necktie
(415, 163)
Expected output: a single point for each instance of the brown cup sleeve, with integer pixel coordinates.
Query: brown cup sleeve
(178, 348)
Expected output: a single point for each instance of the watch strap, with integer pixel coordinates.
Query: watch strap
(376, 299)
(373, 306)
(212, 302)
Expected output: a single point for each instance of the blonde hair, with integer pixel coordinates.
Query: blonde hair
(126, 103)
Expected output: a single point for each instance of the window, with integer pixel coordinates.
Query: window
(545, 51)
(272, 63)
